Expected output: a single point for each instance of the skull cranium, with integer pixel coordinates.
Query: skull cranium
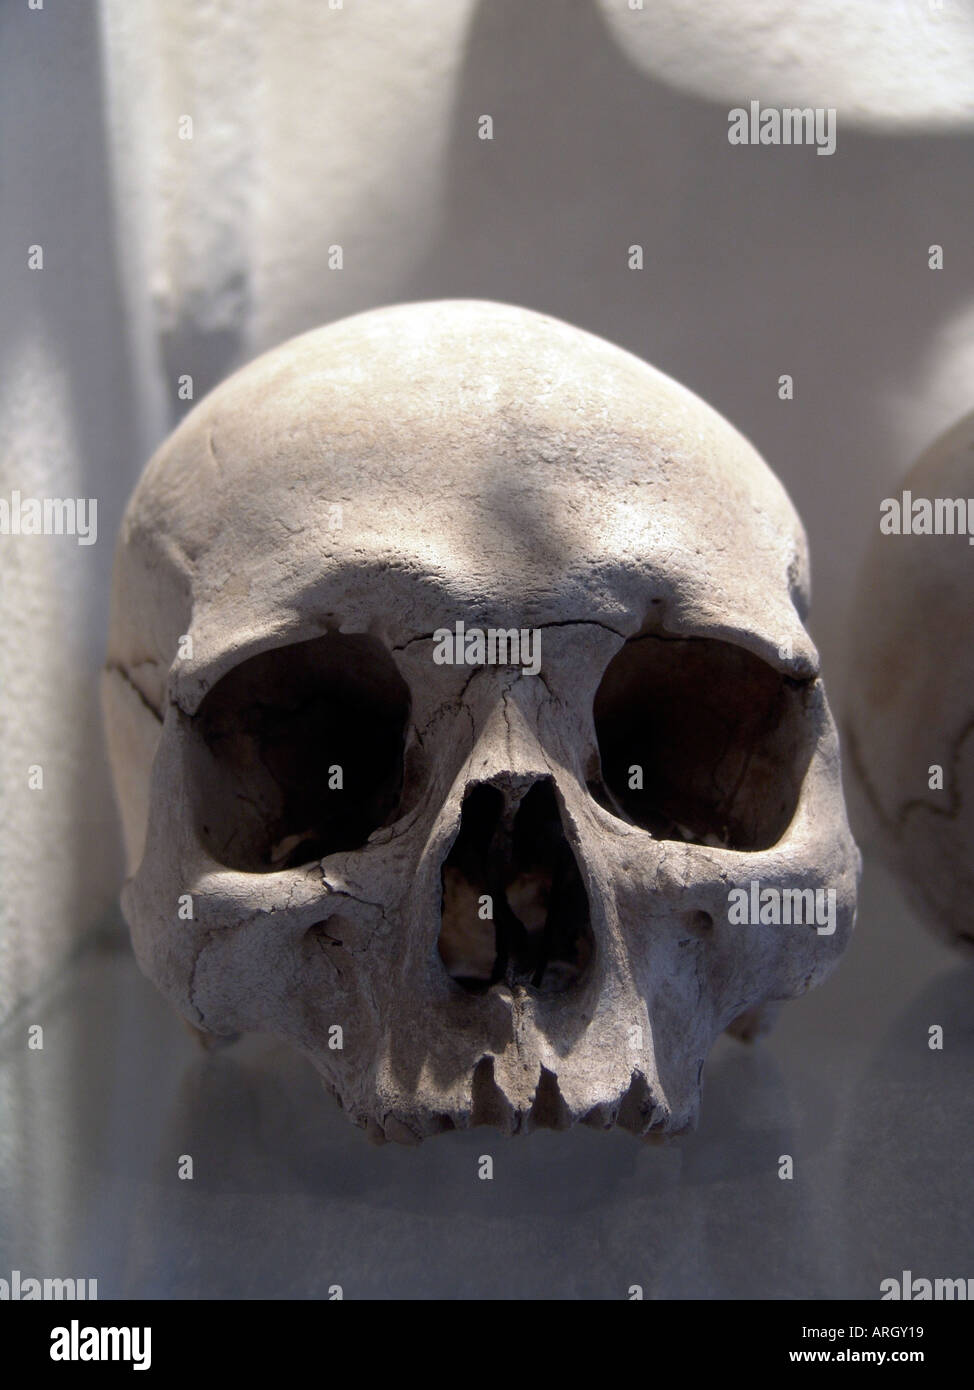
(909, 709)
(469, 892)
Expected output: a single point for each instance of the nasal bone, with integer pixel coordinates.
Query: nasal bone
(507, 751)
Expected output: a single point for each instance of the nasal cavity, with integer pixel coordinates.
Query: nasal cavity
(514, 907)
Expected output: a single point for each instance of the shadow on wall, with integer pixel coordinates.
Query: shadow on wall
(757, 261)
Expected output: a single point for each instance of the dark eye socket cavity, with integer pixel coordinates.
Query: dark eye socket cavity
(702, 741)
(300, 753)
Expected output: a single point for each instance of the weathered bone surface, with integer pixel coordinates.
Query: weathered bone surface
(911, 703)
(312, 527)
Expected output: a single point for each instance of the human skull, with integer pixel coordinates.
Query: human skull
(471, 893)
(910, 715)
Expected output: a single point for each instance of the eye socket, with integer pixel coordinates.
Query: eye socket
(300, 753)
(720, 740)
